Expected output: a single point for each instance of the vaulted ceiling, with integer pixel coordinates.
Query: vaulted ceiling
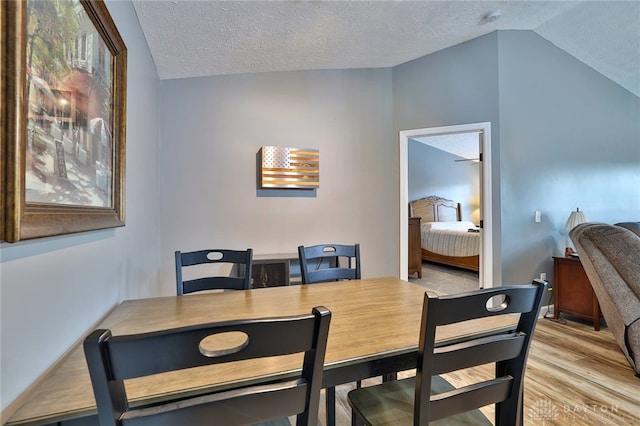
(200, 38)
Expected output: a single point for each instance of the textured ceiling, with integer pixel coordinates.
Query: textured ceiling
(199, 38)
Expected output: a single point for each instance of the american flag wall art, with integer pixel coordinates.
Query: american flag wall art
(283, 167)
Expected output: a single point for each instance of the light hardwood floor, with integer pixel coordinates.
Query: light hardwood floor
(575, 376)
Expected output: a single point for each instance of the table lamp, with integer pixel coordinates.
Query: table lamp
(575, 219)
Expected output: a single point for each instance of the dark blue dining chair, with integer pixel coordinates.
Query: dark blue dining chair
(428, 397)
(240, 260)
(324, 263)
(114, 359)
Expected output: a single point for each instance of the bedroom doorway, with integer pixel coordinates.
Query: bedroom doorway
(482, 132)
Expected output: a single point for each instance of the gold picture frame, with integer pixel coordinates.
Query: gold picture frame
(63, 118)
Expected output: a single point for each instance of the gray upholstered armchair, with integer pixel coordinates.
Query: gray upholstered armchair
(610, 256)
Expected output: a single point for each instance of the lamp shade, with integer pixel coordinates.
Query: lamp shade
(575, 219)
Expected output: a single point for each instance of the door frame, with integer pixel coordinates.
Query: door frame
(486, 258)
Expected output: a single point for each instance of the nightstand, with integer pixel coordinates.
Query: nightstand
(415, 247)
(572, 291)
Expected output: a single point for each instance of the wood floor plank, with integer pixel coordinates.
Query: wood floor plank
(580, 377)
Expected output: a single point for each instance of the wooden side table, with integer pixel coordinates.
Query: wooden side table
(572, 291)
(272, 270)
(415, 247)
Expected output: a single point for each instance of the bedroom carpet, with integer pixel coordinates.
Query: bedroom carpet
(446, 280)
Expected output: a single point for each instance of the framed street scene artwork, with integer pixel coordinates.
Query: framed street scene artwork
(63, 117)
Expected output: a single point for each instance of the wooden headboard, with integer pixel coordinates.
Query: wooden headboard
(435, 209)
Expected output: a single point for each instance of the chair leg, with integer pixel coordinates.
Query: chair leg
(356, 420)
(390, 377)
(330, 400)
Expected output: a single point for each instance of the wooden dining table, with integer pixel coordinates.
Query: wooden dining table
(374, 331)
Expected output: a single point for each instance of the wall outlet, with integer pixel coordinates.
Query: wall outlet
(543, 276)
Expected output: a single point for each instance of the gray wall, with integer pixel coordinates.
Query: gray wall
(569, 138)
(212, 130)
(432, 171)
(454, 86)
(54, 290)
(563, 136)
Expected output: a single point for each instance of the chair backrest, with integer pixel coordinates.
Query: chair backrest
(508, 351)
(112, 359)
(631, 226)
(243, 259)
(322, 262)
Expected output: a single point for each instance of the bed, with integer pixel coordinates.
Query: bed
(445, 238)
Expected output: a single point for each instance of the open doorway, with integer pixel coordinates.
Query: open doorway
(482, 132)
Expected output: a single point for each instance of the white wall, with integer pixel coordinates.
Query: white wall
(212, 129)
(53, 290)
